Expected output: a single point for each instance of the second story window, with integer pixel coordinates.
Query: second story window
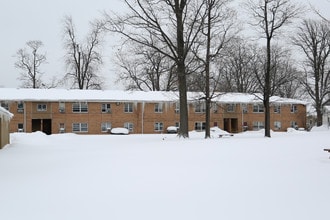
(41, 107)
(159, 107)
(106, 108)
(20, 107)
(215, 107)
(258, 108)
(61, 107)
(79, 107)
(277, 109)
(5, 105)
(230, 107)
(244, 108)
(200, 107)
(294, 108)
(128, 107)
(177, 108)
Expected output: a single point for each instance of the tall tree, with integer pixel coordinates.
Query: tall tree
(218, 21)
(270, 16)
(29, 61)
(174, 25)
(313, 38)
(83, 59)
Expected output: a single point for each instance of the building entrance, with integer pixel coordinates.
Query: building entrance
(44, 125)
(230, 125)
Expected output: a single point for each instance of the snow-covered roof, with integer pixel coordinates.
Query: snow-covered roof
(4, 114)
(10, 94)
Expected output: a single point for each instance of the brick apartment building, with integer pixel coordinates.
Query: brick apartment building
(96, 111)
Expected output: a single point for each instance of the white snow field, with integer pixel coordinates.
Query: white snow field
(163, 177)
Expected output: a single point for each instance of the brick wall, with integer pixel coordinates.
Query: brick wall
(144, 116)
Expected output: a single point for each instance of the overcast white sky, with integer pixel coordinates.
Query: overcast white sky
(21, 21)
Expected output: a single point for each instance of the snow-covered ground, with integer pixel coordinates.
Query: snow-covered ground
(162, 177)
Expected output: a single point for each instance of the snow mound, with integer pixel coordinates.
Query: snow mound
(320, 128)
(119, 131)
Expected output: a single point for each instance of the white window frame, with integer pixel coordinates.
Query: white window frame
(106, 108)
(41, 107)
(258, 108)
(230, 107)
(158, 126)
(200, 126)
(61, 128)
(20, 107)
(20, 127)
(128, 107)
(277, 125)
(61, 107)
(244, 108)
(159, 107)
(294, 108)
(105, 126)
(80, 107)
(177, 108)
(277, 109)
(215, 108)
(129, 126)
(293, 124)
(257, 125)
(80, 127)
(200, 107)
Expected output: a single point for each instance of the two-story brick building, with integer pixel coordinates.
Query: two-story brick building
(96, 111)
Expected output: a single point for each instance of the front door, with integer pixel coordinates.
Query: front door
(44, 125)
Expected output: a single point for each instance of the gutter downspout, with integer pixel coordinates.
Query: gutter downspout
(142, 118)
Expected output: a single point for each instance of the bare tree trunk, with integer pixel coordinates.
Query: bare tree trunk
(183, 130)
(267, 90)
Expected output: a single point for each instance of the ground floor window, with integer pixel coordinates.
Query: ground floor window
(80, 127)
(20, 127)
(257, 125)
(105, 126)
(294, 124)
(158, 126)
(277, 125)
(129, 126)
(199, 126)
(62, 127)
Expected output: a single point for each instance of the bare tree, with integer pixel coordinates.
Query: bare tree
(284, 75)
(142, 68)
(218, 21)
(174, 25)
(29, 63)
(313, 38)
(83, 59)
(238, 67)
(270, 16)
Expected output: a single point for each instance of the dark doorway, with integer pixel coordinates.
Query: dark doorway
(44, 125)
(230, 125)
